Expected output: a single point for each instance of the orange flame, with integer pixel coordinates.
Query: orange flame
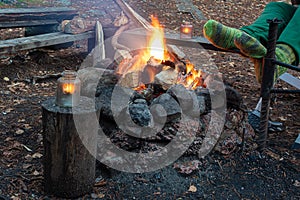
(157, 51)
(156, 41)
(156, 48)
(68, 88)
(193, 77)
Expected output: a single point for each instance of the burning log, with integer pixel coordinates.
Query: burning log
(166, 78)
(131, 79)
(134, 73)
(122, 51)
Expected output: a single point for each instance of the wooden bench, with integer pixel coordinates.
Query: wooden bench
(48, 39)
(39, 17)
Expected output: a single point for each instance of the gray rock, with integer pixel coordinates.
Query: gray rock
(140, 113)
(165, 108)
(92, 77)
(192, 104)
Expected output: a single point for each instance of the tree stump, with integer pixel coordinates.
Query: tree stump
(69, 167)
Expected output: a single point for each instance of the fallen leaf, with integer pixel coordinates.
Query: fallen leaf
(8, 110)
(100, 183)
(26, 166)
(297, 183)
(101, 195)
(8, 139)
(21, 120)
(19, 132)
(36, 173)
(28, 157)
(7, 153)
(15, 198)
(27, 126)
(17, 144)
(192, 189)
(282, 118)
(37, 155)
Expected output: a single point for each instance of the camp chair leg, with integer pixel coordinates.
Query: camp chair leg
(267, 83)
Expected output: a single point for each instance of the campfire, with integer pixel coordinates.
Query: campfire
(155, 65)
(151, 96)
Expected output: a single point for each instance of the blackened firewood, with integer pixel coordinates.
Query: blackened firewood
(168, 63)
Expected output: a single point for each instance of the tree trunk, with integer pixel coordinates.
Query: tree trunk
(69, 167)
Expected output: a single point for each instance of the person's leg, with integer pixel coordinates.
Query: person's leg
(259, 29)
(223, 37)
(249, 38)
(290, 35)
(289, 43)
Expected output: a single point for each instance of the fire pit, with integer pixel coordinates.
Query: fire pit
(151, 99)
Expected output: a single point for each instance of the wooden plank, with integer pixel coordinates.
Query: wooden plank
(30, 23)
(171, 38)
(36, 10)
(32, 42)
(44, 13)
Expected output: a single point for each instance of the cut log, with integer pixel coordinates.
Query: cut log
(69, 167)
(131, 79)
(166, 78)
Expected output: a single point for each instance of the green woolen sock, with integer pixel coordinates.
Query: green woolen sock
(250, 46)
(220, 35)
(284, 53)
(225, 37)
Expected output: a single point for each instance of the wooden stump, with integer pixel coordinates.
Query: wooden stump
(69, 167)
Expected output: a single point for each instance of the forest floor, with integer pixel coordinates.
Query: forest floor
(240, 175)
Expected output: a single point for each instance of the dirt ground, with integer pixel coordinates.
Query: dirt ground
(246, 174)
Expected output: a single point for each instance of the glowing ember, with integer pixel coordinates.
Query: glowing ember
(193, 77)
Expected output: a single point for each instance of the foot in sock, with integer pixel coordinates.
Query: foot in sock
(250, 46)
(284, 53)
(220, 35)
(225, 37)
